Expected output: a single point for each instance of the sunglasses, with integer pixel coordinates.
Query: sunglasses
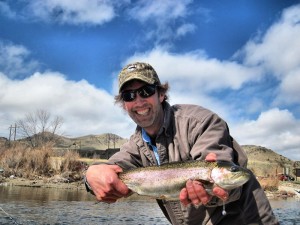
(145, 92)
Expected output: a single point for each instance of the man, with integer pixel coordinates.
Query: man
(166, 134)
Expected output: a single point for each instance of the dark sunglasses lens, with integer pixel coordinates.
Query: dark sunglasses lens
(147, 91)
(128, 96)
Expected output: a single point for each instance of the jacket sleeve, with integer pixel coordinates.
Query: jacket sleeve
(127, 158)
(210, 135)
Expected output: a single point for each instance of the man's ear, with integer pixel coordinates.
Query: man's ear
(161, 97)
(123, 106)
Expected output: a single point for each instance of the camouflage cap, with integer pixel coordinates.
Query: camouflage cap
(140, 71)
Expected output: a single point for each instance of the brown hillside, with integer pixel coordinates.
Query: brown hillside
(265, 162)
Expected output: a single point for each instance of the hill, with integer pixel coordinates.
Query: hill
(265, 162)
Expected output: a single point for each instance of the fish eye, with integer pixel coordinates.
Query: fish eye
(234, 169)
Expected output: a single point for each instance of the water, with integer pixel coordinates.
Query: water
(288, 211)
(62, 206)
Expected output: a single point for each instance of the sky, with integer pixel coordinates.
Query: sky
(238, 58)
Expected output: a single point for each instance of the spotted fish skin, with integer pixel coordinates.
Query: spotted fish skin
(167, 180)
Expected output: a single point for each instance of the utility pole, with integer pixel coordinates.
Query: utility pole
(10, 128)
(15, 133)
(12, 133)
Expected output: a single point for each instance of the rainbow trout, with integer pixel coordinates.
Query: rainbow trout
(167, 180)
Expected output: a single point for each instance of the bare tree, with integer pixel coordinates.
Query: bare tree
(39, 128)
(111, 138)
(107, 140)
(115, 139)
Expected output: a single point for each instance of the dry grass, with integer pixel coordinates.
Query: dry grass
(71, 161)
(26, 162)
(23, 161)
(93, 161)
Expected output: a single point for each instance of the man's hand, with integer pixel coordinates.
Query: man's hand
(105, 183)
(194, 193)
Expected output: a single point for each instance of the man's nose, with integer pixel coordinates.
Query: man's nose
(139, 99)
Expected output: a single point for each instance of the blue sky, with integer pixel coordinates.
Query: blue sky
(240, 59)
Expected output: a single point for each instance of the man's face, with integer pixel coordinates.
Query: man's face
(145, 112)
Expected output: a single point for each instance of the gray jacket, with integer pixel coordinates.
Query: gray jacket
(190, 132)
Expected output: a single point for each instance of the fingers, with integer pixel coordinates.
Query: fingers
(105, 182)
(194, 193)
(220, 193)
(211, 157)
(120, 188)
(108, 195)
(116, 168)
(183, 196)
(197, 193)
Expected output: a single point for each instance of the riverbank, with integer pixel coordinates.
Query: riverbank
(285, 190)
(53, 182)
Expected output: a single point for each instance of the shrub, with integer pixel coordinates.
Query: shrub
(27, 162)
(22, 161)
(71, 162)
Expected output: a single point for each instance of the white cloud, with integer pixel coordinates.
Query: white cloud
(78, 12)
(289, 92)
(15, 61)
(163, 19)
(278, 53)
(197, 72)
(184, 29)
(74, 12)
(159, 11)
(6, 10)
(276, 129)
(85, 109)
(87, 12)
(278, 49)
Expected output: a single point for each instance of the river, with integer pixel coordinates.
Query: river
(25, 205)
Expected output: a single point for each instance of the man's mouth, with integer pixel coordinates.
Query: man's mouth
(143, 112)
